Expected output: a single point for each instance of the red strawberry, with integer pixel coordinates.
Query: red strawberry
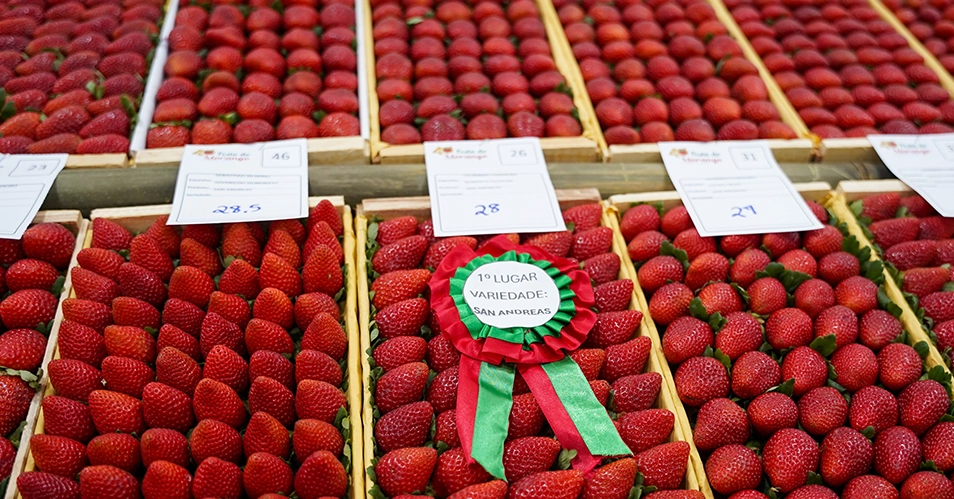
(602, 268)
(218, 331)
(28, 308)
(232, 308)
(845, 454)
(875, 407)
(31, 274)
(127, 376)
(40, 485)
(183, 315)
(733, 468)
(107, 234)
(264, 433)
(71, 378)
(404, 254)
(856, 367)
(613, 296)
(526, 418)
(240, 278)
(664, 466)
(166, 407)
(590, 243)
(215, 400)
(115, 449)
(89, 313)
(670, 302)
(318, 400)
(393, 287)
(113, 411)
(269, 395)
(788, 457)
(133, 312)
(58, 455)
(167, 479)
(67, 418)
(880, 206)
(324, 211)
(91, 286)
(452, 472)
(406, 470)
(821, 410)
(554, 243)
(911, 254)
(101, 482)
(922, 404)
(321, 475)
(741, 333)
(637, 392)
(899, 366)
(626, 359)
(192, 285)
(130, 342)
(584, 217)
(939, 306)
(161, 444)
(437, 251)
(322, 272)
(686, 337)
(720, 422)
(893, 231)
(140, 283)
(390, 231)
(406, 426)
(897, 454)
(195, 254)
(218, 478)
(701, 379)
(265, 473)
(214, 439)
(277, 273)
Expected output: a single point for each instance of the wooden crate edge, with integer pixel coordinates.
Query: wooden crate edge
(364, 320)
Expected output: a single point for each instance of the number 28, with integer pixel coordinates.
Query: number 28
(486, 209)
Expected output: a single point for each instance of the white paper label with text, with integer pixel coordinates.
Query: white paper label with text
(25, 180)
(735, 187)
(490, 187)
(924, 162)
(511, 294)
(242, 183)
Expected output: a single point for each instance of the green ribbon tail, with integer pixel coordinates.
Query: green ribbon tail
(590, 417)
(492, 419)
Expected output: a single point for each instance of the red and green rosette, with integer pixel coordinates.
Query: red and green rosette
(509, 309)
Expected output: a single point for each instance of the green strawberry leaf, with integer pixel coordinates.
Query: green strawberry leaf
(948, 286)
(814, 478)
(929, 466)
(698, 310)
(415, 20)
(8, 110)
(941, 375)
(922, 348)
(851, 245)
(792, 280)
(868, 432)
(17, 434)
(441, 447)
(856, 208)
(873, 270)
(886, 303)
(717, 322)
(773, 269)
(565, 458)
(375, 492)
(723, 358)
(742, 292)
(825, 345)
(667, 249)
(57, 287)
(902, 212)
(786, 388)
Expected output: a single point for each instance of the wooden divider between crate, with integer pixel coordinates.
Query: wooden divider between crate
(850, 191)
(582, 149)
(323, 151)
(74, 221)
(668, 398)
(419, 207)
(138, 219)
(112, 160)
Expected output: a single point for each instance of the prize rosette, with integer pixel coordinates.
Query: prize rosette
(509, 309)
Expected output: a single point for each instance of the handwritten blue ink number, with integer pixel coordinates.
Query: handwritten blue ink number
(739, 211)
(227, 210)
(487, 209)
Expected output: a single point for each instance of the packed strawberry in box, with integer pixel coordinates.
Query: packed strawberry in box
(258, 71)
(662, 71)
(917, 245)
(791, 362)
(32, 273)
(416, 372)
(932, 23)
(449, 70)
(846, 70)
(72, 73)
(206, 362)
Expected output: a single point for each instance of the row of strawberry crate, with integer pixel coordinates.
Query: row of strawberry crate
(676, 395)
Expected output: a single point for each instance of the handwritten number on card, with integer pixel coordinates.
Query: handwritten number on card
(35, 167)
(738, 211)
(487, 209)
(226, 210)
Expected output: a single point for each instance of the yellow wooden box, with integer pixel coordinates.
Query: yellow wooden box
(419, 207)
(138, 219)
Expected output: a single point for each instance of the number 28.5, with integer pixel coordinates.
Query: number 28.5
(226, 210)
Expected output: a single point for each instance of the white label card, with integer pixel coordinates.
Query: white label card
(25, 180)
(511, 294)
(241, 183)
(924, 162)
(735, 187)
(490, 187)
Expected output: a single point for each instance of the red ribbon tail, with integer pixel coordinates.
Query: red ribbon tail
(467, 389)
(560, 421)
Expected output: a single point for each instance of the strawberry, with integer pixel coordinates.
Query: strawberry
(613, 296)
(168, 480)
(452, 472)
(720, 297)
(275, 306)
(741, 333)
(626, 359)
(396, 352)
(602, 268)
(130, 342)
(161, 444)
(22, 349)
(404, 254)
(393, 287)
(86, 312)
(441, 354)
(937, 446)
(927, 484)
(231, 307)
(40, 485)
(104, 481)
(554, 243)
(218, 331)
(880, 206)
(845, 454)
(325, 335)
(838, 321)
(269, 395)
(613, 328)
(70, 120)
(526, 418)
(899, 366)
(113, 411)
(110, 235)
(720, 422)
(821, 410)
(264, 335)
(115, 449)
(183, 315)
(70, 378)
(592, 242)
(218, 478)
(92, 286)
(772, 411)
(406, 426)
(214, 439)
(494, 489)
(664, 466)
(936, 228)
(753, 374)
(897, 454)
(127, 376)
(788, 457)
(788, 328)
(266, 473)
(746, 265)
(321, 475)
(877, 328)
(103, 262)
(192, 285)
(215, 400)
(442, 391)
(326, 212)
(58, 455)
(403, 318)
(922, 404)
(406, 470)
(670, 302)
(733, 468)
(705, 268)
(875, 407)
(140, 283)
(701, 379)
(611, 480)
(322, 235)
(893, 231)
(67, 418)
(146, 252)
(390, 231)
(266, 434)
(177, 369)
(279, 274)
(133, 312)
(911, 254)
(437, 251)
(856, 367)
(282, 244)
(938, 306)
(766, 296)
(239, 243)
(636, 392)
(28, 308)
(166, 407)
(318, 400)
(584, 217)
(823, 241)
(693, 244)
(321, 272)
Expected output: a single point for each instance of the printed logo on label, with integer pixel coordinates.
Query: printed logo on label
(511, 294)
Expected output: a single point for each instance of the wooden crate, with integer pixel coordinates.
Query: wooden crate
(419, 207)
(850, 191)
(583, 149)
(74, 221)
(326, 151)
(138, 219)
(800, 150)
